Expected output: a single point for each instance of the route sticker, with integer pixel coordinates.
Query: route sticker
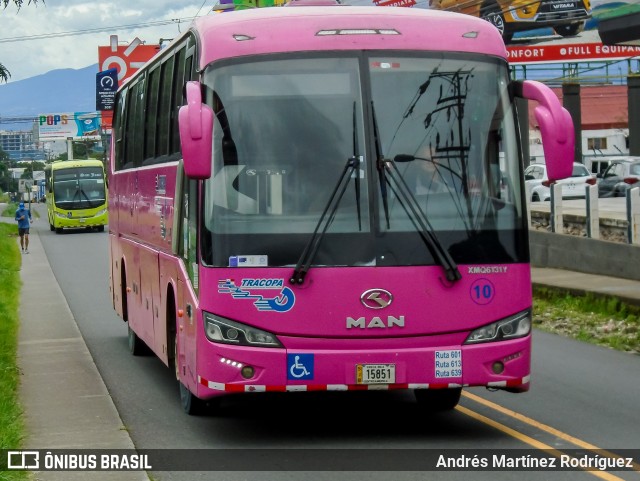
(448, 364)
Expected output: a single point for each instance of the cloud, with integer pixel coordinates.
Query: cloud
(29, 57)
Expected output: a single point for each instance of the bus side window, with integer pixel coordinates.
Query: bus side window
(177, 100)
(164, 117)
(190, 231)
(119, 129)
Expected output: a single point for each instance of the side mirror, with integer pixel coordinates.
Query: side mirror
(556, 127)
(195, 121)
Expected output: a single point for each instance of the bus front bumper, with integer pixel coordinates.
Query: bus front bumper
(500, 365)
(64, 221)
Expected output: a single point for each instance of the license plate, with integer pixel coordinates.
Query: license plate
(375, 373)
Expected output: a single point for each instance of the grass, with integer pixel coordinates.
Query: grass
(10, 211)
(11, 421)
(605, 321)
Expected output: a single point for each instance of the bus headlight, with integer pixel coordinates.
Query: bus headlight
(220, 329)
(513, 327)
(100, 212)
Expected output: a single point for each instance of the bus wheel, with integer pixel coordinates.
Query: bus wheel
(58, 230)
(100, 228)
(438, 400)
(51, 228)
(191, 404)
(137, 347)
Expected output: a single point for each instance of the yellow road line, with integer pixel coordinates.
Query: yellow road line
(529, 440)
(544, 427)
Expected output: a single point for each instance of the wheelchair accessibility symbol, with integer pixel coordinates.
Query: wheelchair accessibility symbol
(299, 366)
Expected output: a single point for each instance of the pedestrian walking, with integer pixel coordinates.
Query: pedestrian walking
(23, 216)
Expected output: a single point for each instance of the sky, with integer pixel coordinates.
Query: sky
(24, 57)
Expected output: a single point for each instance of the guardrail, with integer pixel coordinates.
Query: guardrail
(587, 214)
(593, 212)
(585, 250)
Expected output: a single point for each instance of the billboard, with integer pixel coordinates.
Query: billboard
(126, 60)
(61, 126)
(533, 23)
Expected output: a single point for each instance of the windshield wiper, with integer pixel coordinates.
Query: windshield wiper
(388, 172)
(412, 208)
(310, 250)
(86, 197)
(356, 155)
(382, 178)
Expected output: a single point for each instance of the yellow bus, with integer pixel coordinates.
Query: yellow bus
(76, 192)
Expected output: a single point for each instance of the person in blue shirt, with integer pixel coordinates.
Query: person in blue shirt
(23, 216)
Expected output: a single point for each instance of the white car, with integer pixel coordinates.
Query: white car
(537, 182)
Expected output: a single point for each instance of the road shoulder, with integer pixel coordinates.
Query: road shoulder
(65, 401)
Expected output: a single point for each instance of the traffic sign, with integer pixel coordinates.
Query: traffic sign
(106, 87)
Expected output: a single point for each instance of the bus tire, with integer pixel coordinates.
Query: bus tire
(137, 346)
(191, 404)
(438, 400)
(58, 230)
(51, 228)
(100, 228)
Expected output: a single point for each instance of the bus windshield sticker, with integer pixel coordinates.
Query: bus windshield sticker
(249, 261)
(249, 288)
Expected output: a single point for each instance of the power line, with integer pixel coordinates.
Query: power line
(95, 30)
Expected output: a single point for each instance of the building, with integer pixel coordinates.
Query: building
(604, 119)
(20, 145)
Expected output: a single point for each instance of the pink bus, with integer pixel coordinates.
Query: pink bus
(310, 198)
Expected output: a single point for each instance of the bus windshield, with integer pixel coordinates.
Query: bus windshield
(431, 145)
(79, 187)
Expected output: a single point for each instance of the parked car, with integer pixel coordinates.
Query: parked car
(598, 165)
(537, 182)
(620, 176)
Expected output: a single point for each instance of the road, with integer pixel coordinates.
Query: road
(582, 396)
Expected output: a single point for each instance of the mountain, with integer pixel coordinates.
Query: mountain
(57, 91)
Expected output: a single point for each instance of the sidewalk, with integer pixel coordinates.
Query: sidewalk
(578, 283)
(66, 404)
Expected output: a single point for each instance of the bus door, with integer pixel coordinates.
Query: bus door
(188, 284)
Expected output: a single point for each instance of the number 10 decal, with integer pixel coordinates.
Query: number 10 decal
(482, 291)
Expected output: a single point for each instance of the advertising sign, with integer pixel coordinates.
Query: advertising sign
(106, 87)
(547, 30)
(577, 52)
(61, 126)
(125, 60)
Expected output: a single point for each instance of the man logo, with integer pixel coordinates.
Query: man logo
(376, 298)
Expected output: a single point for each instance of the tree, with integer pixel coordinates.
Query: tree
(5, 75)
(7, 183)
(29, 169)
(18, 2)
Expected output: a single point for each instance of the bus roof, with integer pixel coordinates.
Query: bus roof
(322, 28)
(66, 164)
